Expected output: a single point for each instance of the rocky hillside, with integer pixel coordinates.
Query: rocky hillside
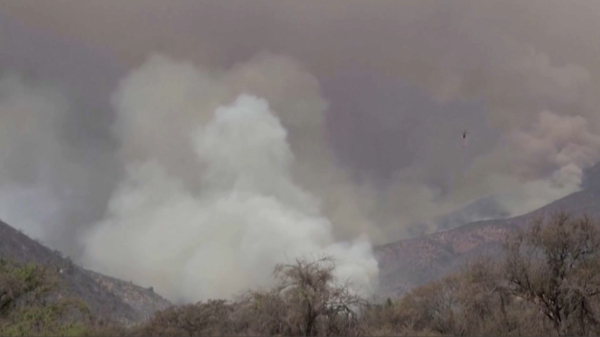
(408, 263)
(107, 297)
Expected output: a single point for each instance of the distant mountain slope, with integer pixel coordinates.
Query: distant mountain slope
(409, 263)
(107, 297)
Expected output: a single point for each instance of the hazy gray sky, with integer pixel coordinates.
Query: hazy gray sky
(373, 96)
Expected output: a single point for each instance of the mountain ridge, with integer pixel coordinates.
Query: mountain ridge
(108, 298)
(409, 263)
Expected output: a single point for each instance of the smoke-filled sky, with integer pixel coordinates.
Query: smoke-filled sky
(192, 142)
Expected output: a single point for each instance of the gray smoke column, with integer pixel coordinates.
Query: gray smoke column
(209, 204)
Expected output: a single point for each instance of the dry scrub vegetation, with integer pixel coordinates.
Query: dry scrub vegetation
(546, 283)
(32, 304)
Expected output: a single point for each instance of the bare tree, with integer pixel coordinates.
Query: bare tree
(307, 301)
(554, 265)
(431, 306)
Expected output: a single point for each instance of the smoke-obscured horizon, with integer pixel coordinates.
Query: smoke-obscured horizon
(135, 137)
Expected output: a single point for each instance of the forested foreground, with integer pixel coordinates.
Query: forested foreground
(546, 283)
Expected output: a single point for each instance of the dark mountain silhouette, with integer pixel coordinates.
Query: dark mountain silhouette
(413, 262)
(108, 298)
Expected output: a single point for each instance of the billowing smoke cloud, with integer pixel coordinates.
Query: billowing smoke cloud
(210, 204)
(557, 145)
(549, 134)
(522, 85)
(164, 100)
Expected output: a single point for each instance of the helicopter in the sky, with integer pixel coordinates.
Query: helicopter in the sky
(464, 139)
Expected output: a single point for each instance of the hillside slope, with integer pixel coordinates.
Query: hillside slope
(107, 297)
(409, 263)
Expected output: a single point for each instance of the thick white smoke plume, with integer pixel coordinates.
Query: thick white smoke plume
(217, 223)
(164, 100)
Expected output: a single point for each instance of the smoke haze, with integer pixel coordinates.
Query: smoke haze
(190, 132)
